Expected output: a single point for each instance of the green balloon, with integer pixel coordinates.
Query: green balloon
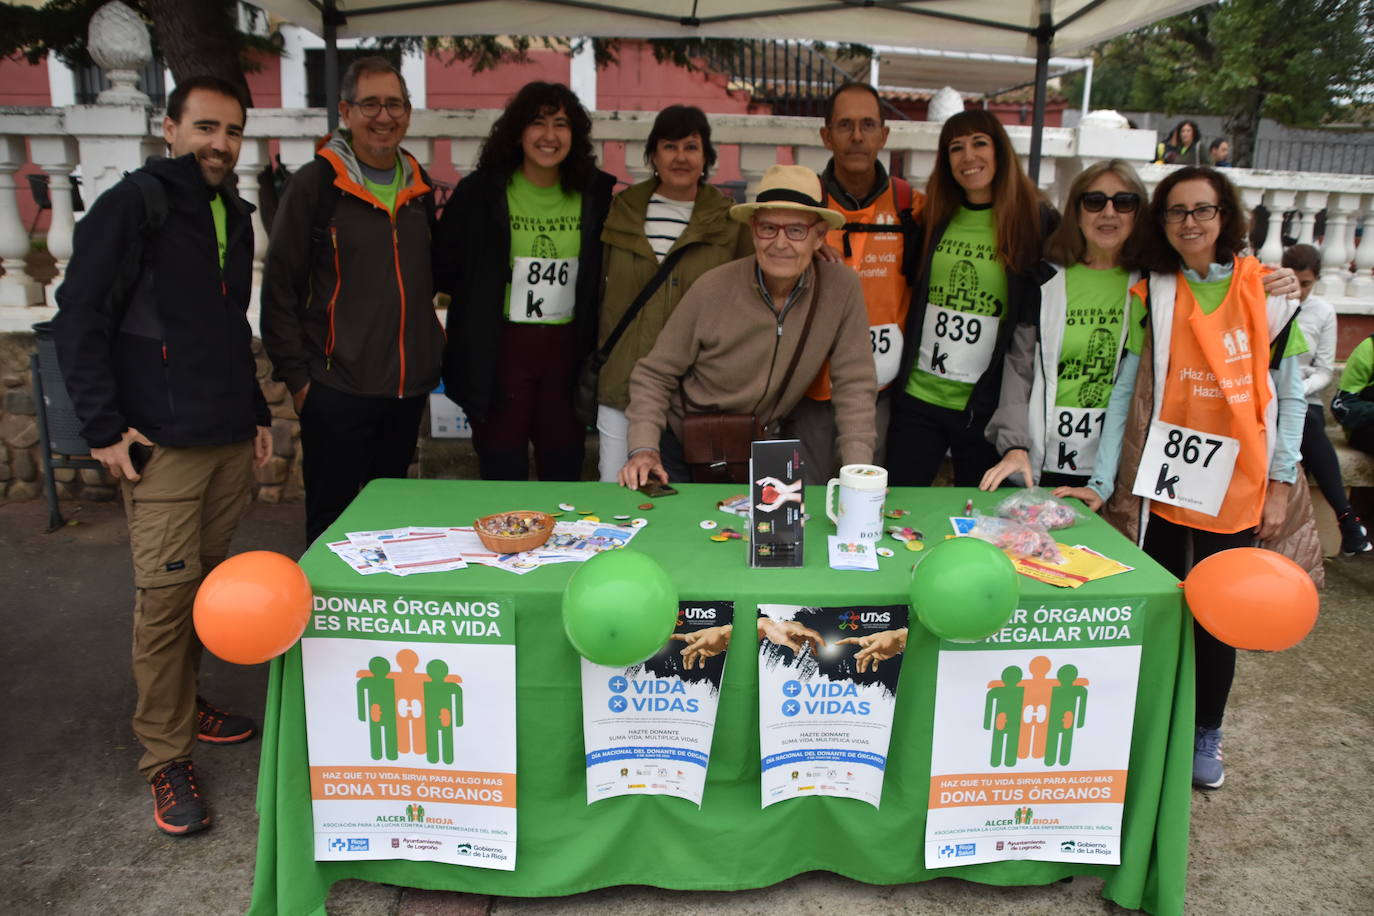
(619, 608)
(964, 588)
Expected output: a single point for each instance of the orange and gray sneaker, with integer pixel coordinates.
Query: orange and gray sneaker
(178, 808)
(215, 726)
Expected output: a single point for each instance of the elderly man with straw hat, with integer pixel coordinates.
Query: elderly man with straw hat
(751, 335)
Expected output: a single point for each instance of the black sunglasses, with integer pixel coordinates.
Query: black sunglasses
(1123, 201)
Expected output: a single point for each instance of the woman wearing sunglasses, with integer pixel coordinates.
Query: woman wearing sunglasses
(1203, 429)
(1059, 372)
(983, 225)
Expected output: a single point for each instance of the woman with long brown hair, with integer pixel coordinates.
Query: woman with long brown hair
(983, 224)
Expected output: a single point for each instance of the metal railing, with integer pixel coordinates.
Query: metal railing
(1341, 157)
(792, 77)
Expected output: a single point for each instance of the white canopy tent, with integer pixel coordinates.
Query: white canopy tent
(1016, 27)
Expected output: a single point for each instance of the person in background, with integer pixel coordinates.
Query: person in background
(1317, 318)
(347, 298)
(983, 226)
(876, 240)
(674, 210)
(1214, 360)
(1183, 145)
(153, 341)
(1353, 405)
(518, 250)
(1219, 151)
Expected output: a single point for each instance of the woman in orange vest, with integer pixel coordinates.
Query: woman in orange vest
(1213, 450)
(983, 223)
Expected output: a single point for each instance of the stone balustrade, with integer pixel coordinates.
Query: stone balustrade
(101, 142)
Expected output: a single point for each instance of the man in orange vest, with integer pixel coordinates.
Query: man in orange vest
(879, 226)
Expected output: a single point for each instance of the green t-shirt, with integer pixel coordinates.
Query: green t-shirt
(1359, 368)
(386, 193)
(545, 241)
(966, 303)
(1092, 327)
(218, 215)
(1209, 296)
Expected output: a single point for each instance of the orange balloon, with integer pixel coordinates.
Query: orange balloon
(1252, 598)
(252, 607)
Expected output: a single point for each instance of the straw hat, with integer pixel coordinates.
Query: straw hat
(788, 187)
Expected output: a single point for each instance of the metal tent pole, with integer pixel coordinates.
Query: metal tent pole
(331, 19)
(1044, 34)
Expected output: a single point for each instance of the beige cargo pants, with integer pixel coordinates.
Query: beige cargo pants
(182, 512)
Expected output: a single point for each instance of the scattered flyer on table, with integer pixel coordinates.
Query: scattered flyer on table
(647, 728)
(1032, 738)
(827, 688)
(410, 729)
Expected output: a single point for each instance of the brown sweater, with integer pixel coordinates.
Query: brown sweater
(728, 349)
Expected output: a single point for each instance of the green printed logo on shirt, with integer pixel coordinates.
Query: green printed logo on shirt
(1092, 327)
(966, 303)
(545, 241)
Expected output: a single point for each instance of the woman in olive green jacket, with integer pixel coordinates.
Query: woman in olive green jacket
(674, 209)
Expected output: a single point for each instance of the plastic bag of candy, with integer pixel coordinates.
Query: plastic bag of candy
(1016, 537)
(1035, 506)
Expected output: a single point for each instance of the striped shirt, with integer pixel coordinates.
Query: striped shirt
(664, 221)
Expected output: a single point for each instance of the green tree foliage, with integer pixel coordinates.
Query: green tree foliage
(192, 36)
(1296, 61)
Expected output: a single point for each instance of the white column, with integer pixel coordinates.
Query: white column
(463, 151)
(1335, 252)
(61, 83)
(296, 152)
(1361, 286)
(582, 73)
(252, 157)
(754, 160)
(1310, 204)
(1277, 201)
(293, 67)
(16, 286)
(58, 156)
(1250, 198)
(417, 81)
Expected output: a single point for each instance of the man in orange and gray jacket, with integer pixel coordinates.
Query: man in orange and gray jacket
(347, 297)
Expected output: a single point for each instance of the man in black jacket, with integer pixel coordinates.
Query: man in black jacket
(348, 296)
(154, 343)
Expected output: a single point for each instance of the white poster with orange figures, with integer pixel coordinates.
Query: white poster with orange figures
(1032, 738)
(410, 728)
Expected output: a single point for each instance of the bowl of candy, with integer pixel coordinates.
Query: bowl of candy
(513, 532)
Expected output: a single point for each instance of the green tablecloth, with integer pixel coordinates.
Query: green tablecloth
(566, 846)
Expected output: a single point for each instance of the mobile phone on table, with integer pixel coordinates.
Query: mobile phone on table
(654, 489)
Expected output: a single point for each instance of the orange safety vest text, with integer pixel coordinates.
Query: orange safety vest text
(1216, 384)
(877, 258)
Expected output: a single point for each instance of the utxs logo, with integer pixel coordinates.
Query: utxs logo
(696, 615)
(850, 620)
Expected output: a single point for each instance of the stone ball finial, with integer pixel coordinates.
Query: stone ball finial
(1104, 119)
(944, 105)
(118, 42)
